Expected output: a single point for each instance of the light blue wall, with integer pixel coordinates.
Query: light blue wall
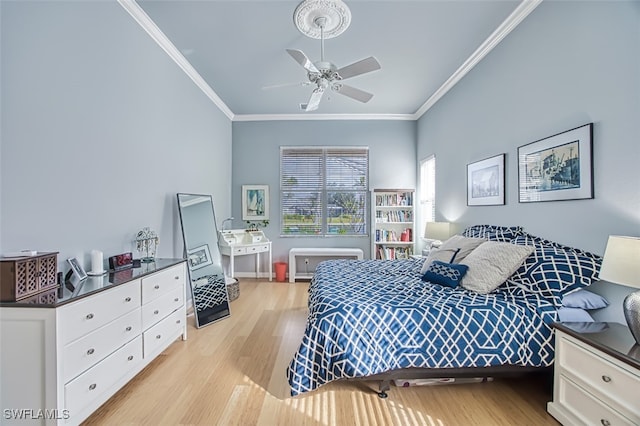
(100, 130)
(256, 160)
(567, 64)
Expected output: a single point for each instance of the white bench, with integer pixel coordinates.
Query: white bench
(318, 252)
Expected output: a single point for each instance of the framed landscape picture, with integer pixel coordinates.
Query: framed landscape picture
(559, 167)
(485, 182)
(199, 257)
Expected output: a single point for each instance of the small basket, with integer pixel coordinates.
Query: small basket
(233, 289)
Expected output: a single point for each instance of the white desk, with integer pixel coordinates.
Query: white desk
(240, 242)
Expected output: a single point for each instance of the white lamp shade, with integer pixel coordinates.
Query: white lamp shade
(621, 262)
(437, 230)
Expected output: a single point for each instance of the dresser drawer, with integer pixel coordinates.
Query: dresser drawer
(94, 382)
(589, 409)
(161, 307)
(89, 314)
(258, 249)
(162, 334)
(606, 380)
(97, 345)
(156, 285)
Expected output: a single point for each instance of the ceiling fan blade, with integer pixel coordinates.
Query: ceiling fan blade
(302, 59)
(314, 100)
(353, 93)
(361, 67)
(277, 86)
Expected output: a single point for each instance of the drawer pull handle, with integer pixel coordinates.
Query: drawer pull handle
(178, 322)
(130, 358)
(176, 299)
(156, 312)
(157, 287)
(89, 316)
(128, 328)
(90, 351)
(158, 336)
(177, 277)
(128, 299)
(605, 422)
(606, 379)
(92, 386)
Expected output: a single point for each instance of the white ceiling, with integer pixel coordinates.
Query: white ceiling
(238, 47)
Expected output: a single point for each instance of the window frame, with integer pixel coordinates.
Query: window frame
(324, 190)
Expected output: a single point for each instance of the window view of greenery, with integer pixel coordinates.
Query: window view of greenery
(324, 191)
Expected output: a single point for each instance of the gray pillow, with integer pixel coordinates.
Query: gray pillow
(457, 245)
(491, 264)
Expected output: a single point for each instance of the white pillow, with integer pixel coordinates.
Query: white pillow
(491, 264)
(462, 245)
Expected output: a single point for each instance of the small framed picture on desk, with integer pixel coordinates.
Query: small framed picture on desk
(77, 269)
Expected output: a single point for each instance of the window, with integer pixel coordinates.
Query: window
(428, 189)
(323, 191)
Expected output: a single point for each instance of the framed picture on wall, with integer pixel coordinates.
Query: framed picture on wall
(485, 182)
(559, 167)
(255, 202)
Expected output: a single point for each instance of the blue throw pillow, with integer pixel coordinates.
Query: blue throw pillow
(446, 274)
(584, 299)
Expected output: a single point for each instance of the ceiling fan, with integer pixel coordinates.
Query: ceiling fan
(324, 75)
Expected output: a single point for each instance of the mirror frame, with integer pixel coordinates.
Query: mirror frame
(222, 310)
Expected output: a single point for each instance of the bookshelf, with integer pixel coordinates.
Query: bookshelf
(393, 223)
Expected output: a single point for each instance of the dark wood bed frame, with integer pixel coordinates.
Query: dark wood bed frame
(433, 373)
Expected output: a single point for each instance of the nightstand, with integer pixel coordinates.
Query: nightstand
(596, 379)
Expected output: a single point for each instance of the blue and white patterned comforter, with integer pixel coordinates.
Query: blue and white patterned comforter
(367, 317)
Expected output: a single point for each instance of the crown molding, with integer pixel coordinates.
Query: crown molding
(163, 41)
(316, 117)
(513, 20)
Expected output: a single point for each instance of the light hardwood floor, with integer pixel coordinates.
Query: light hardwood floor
(233, 373)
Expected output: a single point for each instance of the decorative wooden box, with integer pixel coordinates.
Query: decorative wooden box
(23, 277)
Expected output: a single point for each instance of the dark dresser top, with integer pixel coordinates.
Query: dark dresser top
(75, 290)
(610, 337)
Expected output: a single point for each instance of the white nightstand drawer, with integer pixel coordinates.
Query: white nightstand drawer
(590, 410)
(602, 377)
(161, 307)
(94, 382)
(88, 314)
(160, 283)
(90, 349)
(160, 335)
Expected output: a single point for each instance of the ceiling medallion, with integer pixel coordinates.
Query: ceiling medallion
(336, 13)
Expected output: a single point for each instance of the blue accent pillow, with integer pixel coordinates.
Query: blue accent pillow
(573, 315)
(584, 299)
(446, 274)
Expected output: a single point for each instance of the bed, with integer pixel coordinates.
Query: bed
(379, 319)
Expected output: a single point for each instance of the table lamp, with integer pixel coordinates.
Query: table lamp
(621, 265)
(436, 232)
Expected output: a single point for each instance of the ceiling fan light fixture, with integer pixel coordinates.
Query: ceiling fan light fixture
(334, 15)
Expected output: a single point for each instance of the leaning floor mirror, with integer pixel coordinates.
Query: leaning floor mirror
(204, 262)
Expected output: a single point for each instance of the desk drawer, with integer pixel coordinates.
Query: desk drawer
(608, 381)
(161, 307)
(94, 382)
(258, 249)
(88, 314)
(162, 334)
(239, 250)
(587, 407)
(90, 349)
(154, 286)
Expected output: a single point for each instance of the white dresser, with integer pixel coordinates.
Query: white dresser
(596, 375)
(59, 362)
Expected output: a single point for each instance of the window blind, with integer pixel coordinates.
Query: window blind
(324, 190)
